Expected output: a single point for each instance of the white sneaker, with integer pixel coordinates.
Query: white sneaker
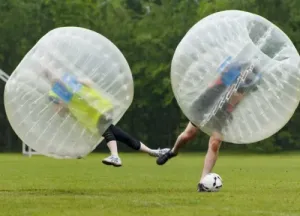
(112, 160)
(159, 152)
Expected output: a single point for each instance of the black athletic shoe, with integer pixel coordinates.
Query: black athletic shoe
(162, 159)
(201, 188)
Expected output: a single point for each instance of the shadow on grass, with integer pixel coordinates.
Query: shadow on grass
(91, 192)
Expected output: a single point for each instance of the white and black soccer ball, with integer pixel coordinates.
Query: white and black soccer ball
(212, 182)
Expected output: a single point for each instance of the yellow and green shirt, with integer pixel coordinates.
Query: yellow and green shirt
(86, 104)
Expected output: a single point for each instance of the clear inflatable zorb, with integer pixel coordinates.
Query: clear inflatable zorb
(67, 91)
(237, 75)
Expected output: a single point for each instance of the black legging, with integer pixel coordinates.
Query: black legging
(114, 133)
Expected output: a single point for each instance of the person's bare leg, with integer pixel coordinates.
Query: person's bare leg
(146, 149)
(111, 143)
(211, 155)
(123, 137)
(187, 135)
(113, 148)
(114, 158)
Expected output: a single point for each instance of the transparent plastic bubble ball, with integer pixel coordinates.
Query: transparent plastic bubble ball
(68, 89)
(236, 75)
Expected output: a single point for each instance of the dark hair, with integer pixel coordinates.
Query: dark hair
(46, 74)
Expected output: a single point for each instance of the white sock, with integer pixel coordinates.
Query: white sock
(113, 148)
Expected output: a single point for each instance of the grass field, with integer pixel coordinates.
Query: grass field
(253, 185)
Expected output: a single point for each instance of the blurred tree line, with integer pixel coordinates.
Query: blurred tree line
(147, 32)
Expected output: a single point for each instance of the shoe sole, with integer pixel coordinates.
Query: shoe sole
(111, 164)
(160, 163)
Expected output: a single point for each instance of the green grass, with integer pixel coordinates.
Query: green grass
(253, 185)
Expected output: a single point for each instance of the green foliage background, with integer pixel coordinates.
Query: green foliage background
(147, 32)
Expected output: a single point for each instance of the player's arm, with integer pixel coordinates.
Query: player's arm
(85, 81)
(59, 106)
(61, 109)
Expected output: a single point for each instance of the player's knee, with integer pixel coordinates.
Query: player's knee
(109, 136)
(136, 145)
(214, 143)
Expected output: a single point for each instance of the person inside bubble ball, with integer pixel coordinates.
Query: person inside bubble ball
(203, 104)
(70, 94)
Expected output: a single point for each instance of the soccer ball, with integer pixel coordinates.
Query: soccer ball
(212, 182)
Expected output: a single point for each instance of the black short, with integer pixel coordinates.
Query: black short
(194, 125)
(219, 121)
(105, 120)
(204, 103)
